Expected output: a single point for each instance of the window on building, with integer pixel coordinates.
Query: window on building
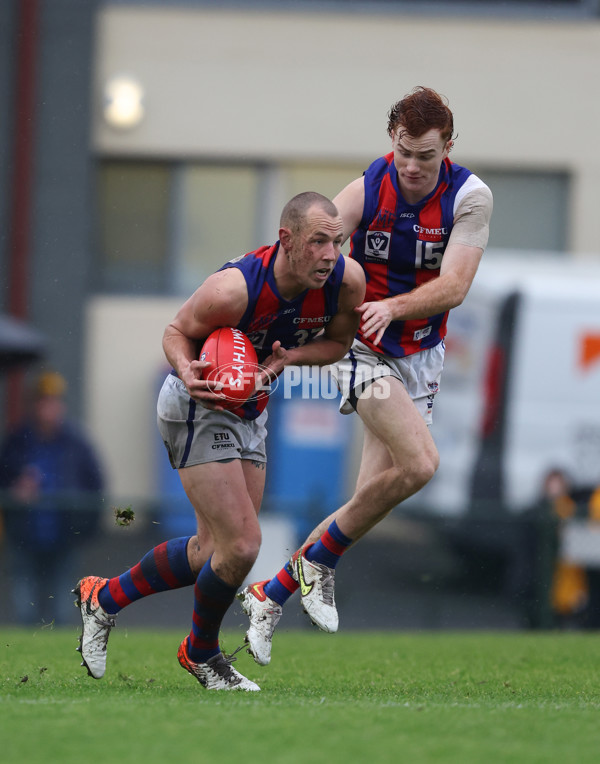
(530, 209)
(133, 230)
(217, 211)
(164, 227)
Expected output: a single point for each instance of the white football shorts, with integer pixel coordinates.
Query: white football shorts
(193, 434)
(420, 373)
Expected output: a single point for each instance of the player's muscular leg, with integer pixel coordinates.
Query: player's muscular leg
(399, 458)
(199, 549)
(222, 500)
(200, 546)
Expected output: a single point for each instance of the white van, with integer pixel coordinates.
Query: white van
(520, 391)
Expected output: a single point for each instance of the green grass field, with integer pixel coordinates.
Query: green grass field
(355, 697)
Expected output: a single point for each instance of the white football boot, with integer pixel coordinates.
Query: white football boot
(217, 673)
(264, 615)
(316, 592)
(97, 624)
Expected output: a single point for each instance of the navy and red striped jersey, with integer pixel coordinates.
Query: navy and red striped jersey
(270, 317)
(400, 246)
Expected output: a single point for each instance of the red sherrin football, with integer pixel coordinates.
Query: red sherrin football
(234, 361)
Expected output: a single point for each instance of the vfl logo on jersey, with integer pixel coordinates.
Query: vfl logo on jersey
(378, 245)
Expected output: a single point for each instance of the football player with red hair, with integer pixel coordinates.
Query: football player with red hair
(418, 224)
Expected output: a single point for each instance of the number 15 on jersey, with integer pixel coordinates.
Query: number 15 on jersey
(429, 254)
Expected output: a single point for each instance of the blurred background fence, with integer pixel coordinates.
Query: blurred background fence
(485, 570)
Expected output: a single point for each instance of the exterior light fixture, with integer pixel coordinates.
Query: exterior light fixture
(123, 102)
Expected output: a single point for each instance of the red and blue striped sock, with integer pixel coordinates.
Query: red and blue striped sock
(329, 549)
(163, 568)
(281, 587)
(212, 599)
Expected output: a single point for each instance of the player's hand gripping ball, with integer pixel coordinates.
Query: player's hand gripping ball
(234, 364)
